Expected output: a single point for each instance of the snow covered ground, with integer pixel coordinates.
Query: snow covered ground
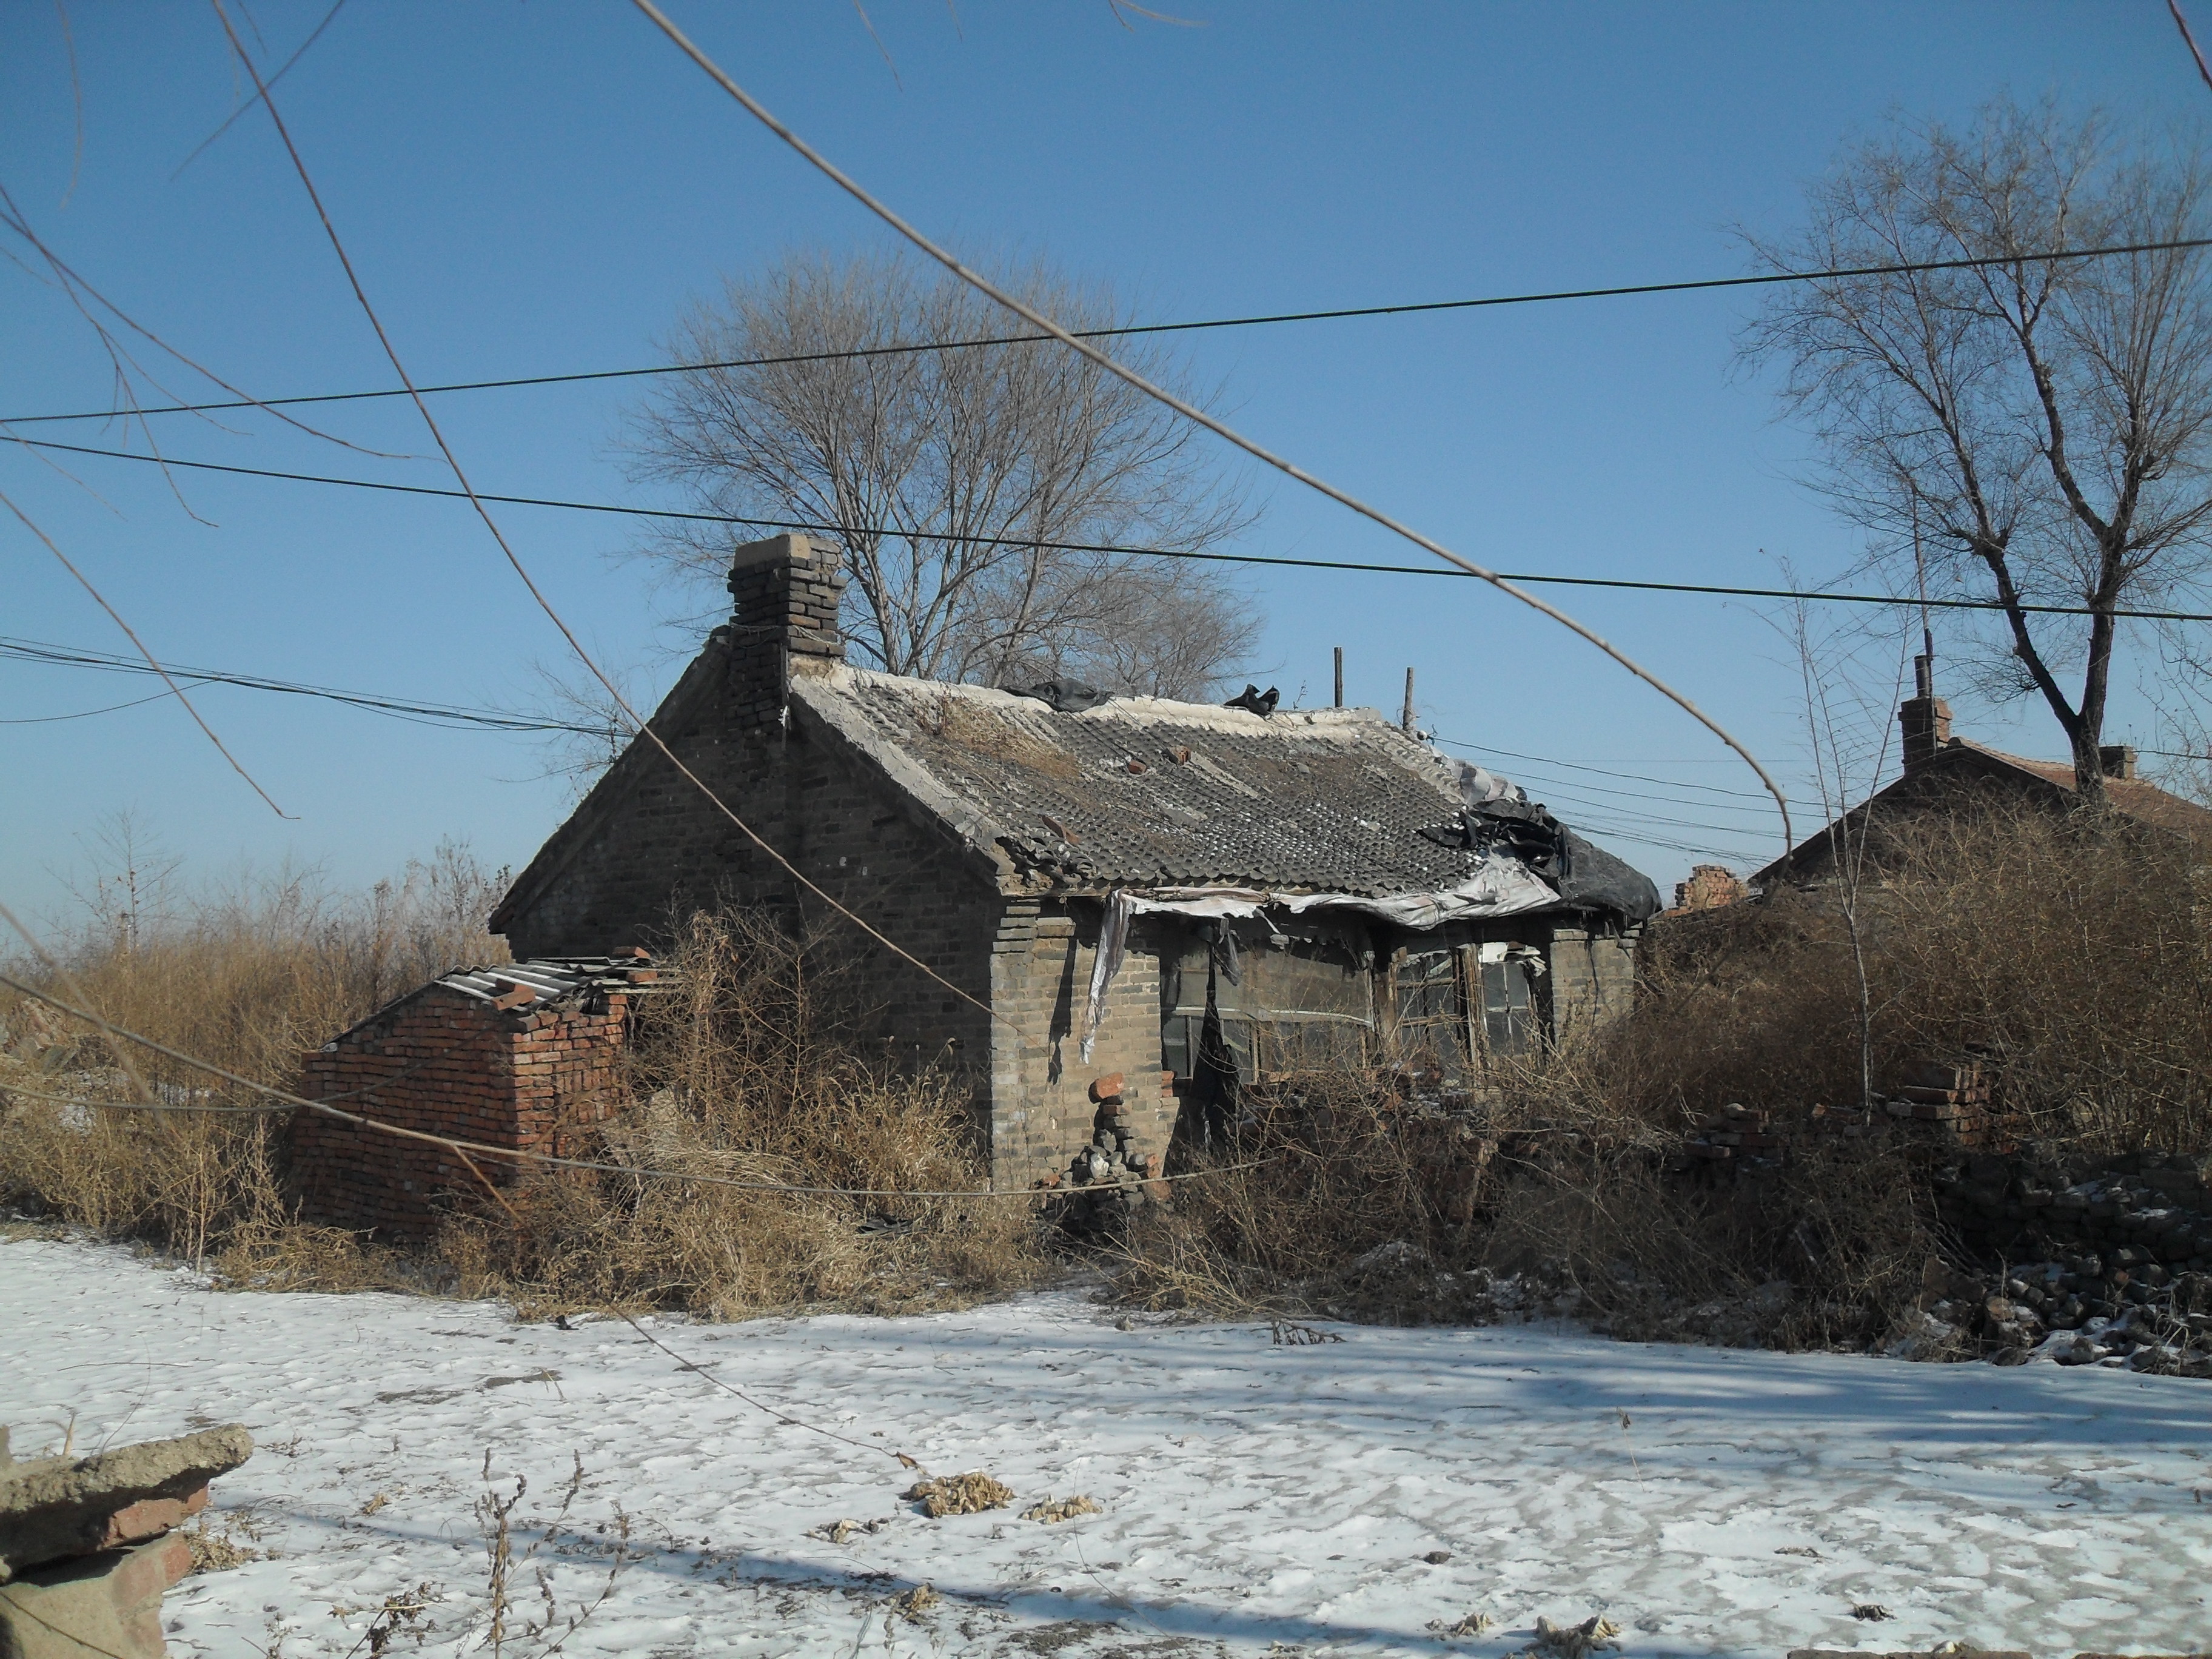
(1253, 1497)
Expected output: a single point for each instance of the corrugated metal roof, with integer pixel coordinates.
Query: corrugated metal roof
(1145, 791)
(553, 979)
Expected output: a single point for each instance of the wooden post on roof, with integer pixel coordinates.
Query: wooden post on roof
(1406, 721)
(1340, 676)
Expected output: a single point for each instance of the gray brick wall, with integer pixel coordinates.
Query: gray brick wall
(1593, 980)
(1042, 1109)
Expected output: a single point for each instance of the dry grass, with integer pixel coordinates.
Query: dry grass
(2072, 957)
(247, 977)
(2075, 959)
(752, 1072)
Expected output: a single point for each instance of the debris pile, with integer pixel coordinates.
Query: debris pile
(1944, 1104)
(1110, 1173)
(1052, 1512)
(88, 1545)
(2095, 1309)
(960, 1494)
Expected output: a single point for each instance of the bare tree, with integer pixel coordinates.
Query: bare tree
(2041, 424)
(950, 474)
(1852, 675)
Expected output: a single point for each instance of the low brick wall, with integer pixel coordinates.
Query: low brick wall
(447, 1063)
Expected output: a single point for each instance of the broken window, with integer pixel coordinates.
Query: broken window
(1284, 1003)
(1512, 1010)
(1431, 1036)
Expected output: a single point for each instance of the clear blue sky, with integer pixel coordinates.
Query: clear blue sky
(532, 189)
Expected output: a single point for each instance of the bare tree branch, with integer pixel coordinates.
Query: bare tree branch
(2046, 421)
(954, 469)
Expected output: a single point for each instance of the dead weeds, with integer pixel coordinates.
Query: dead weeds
(959, 1494)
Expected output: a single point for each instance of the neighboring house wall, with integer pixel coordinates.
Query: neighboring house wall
(444, 1062)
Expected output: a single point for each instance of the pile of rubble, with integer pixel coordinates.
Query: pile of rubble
(2114, 1264)
(2149, 1209)
(88, 1545)
(1110, 1172)
(1948, 1102)
(2116, 1310)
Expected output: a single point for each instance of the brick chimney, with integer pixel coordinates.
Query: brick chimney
(786, 590)
(1925, 717)
(2117, 760)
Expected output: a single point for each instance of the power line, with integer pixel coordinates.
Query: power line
(1535, 783)
(1131, 330)
(1111, 548)
(283, 1100)
(1575, 766)
(644, 728)
(445, 714)
(458, 716)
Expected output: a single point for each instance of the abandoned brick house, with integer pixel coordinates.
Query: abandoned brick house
(1944, 774)
(1186, 895)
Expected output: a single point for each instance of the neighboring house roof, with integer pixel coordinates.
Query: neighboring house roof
(1961, 762)
(2136, 797)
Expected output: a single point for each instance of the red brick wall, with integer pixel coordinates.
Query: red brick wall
(447, 1063)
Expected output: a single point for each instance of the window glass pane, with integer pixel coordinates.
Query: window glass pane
(1175, 1044)
(1508, 1007)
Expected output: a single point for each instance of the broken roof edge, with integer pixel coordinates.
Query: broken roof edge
(1120, 709)
(554, 978)
(965, 823)
(1497, 887)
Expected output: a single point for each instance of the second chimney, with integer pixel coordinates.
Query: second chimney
(1926, 719)
(786, 592)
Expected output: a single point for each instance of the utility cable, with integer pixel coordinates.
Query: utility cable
(783, 1418)
(444, 714)
(452, 716)
(1573, 765)
(817, 527)
(1128, 331)
(151, 662)
(1191, 412)
(644, 728)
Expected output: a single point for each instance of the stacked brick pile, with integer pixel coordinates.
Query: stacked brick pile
(1951, 1105)
(1111, 1168)
(1735, 1135)
(521, 1057)
(1959, 1093)
(88, 1545)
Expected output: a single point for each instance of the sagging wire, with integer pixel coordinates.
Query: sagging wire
(815, 526)
(1190, 411)
(643, 727)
